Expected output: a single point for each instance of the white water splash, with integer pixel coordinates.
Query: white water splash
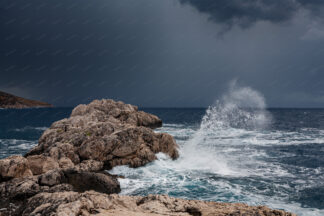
(241, 108)
(226, 158)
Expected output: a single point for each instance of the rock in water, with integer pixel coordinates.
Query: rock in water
(64, 174)
(111, 132)
(12, 101)
(73, 152)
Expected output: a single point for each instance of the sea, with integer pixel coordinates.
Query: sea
(235, 150)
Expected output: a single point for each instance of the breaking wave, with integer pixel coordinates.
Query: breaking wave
(235, 155)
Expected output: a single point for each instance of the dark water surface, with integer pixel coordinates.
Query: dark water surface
(277, 159)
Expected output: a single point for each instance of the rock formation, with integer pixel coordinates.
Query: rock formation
(12, 101)
(66, 173)
(104, 131)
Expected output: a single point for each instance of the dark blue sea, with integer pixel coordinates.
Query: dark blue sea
(272, 157)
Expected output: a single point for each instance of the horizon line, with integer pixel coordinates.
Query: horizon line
(193, 107)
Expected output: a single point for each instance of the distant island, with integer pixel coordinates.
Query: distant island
(12, 101)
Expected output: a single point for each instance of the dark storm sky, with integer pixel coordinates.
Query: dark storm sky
(171, 53)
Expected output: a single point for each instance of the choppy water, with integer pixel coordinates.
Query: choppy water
(271, 157)
(235, 153)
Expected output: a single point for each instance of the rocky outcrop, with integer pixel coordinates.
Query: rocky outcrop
(74, 152)
(65, 174)
(12, 101)
(94, 203)
(105, 131)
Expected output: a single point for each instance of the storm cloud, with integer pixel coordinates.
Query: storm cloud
(162, 53)
(246, 13)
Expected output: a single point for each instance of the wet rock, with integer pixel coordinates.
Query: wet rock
(14, 167)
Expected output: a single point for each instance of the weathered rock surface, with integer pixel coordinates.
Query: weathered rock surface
(14, 167)
(106, 131)
(94, 203)
(41, 164)
(12, 101)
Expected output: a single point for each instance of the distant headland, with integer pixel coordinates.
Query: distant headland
(11, 101)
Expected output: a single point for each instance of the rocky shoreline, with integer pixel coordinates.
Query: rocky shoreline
(9, 101)
(65, 174)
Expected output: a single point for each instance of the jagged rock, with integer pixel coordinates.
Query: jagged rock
(90, 202)
(41, 164)
(106, 131)
(14, 167)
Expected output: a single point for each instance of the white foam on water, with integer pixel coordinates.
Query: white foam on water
(26, 128)
(225, 150)
(15, 146)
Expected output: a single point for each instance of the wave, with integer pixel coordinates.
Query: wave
(234, 156)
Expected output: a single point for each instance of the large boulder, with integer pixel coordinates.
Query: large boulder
(106, 131)
(14, 167)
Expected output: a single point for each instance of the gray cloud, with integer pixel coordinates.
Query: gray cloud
(245, 13)
(158, 53)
